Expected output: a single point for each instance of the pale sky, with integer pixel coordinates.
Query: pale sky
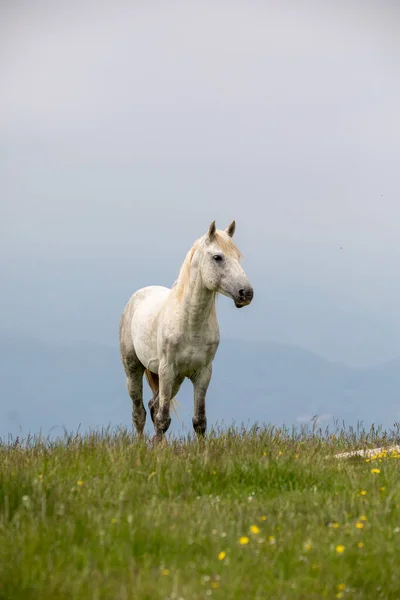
(127, 127)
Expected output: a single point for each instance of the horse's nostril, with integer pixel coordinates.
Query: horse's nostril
(242, 293)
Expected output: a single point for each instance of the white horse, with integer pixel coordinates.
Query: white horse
(170, 334)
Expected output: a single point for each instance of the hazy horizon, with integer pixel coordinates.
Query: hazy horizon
(126, 129)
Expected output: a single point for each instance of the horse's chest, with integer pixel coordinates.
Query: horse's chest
(191, 354)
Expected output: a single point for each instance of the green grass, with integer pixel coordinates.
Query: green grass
(104, 516)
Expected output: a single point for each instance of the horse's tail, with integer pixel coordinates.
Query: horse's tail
(154, 383)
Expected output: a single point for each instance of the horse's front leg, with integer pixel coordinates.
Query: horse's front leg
(201, 381)
(168, 386)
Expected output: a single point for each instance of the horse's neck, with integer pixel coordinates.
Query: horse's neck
(198, 305)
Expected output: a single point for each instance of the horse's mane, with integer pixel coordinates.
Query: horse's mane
(227, 246)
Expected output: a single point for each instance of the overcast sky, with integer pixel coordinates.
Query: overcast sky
(126, 127)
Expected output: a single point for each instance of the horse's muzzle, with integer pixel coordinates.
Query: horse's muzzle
(244, 297)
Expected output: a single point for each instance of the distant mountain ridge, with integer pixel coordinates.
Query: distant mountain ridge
(46, 386)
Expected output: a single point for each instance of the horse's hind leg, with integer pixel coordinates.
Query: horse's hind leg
(134, 382)
(153, 406)
(154, 383)
(133, 367)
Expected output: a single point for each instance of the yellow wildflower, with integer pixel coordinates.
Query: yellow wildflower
(254, 529)
(165, 572)
(359, 525)
(340, 549)
(375, 470)
(339, 595)
(221, 555)
(271, 539)
(363, 493)
(341, 586)
(335, 525)
(80, 482)
(243, 540)
(383, 489)
(263, 518)
(214, 585)
(360, 545)
(113, 520)
(307, 546)
(363, 518)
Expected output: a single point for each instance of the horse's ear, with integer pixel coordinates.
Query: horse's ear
(231, 229)
(211, 231)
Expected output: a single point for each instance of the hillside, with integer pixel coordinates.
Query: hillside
(248, 515)
(52, 386)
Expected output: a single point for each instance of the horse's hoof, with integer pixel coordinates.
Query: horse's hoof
(159, 440)
(201, 442)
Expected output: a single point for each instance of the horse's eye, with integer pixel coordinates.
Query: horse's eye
(217, 257)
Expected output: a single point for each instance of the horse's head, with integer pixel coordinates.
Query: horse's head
(220, 266)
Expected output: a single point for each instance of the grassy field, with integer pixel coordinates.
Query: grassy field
(263, 514)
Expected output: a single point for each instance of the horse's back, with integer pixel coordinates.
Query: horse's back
(148, 301)
(138, 328)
